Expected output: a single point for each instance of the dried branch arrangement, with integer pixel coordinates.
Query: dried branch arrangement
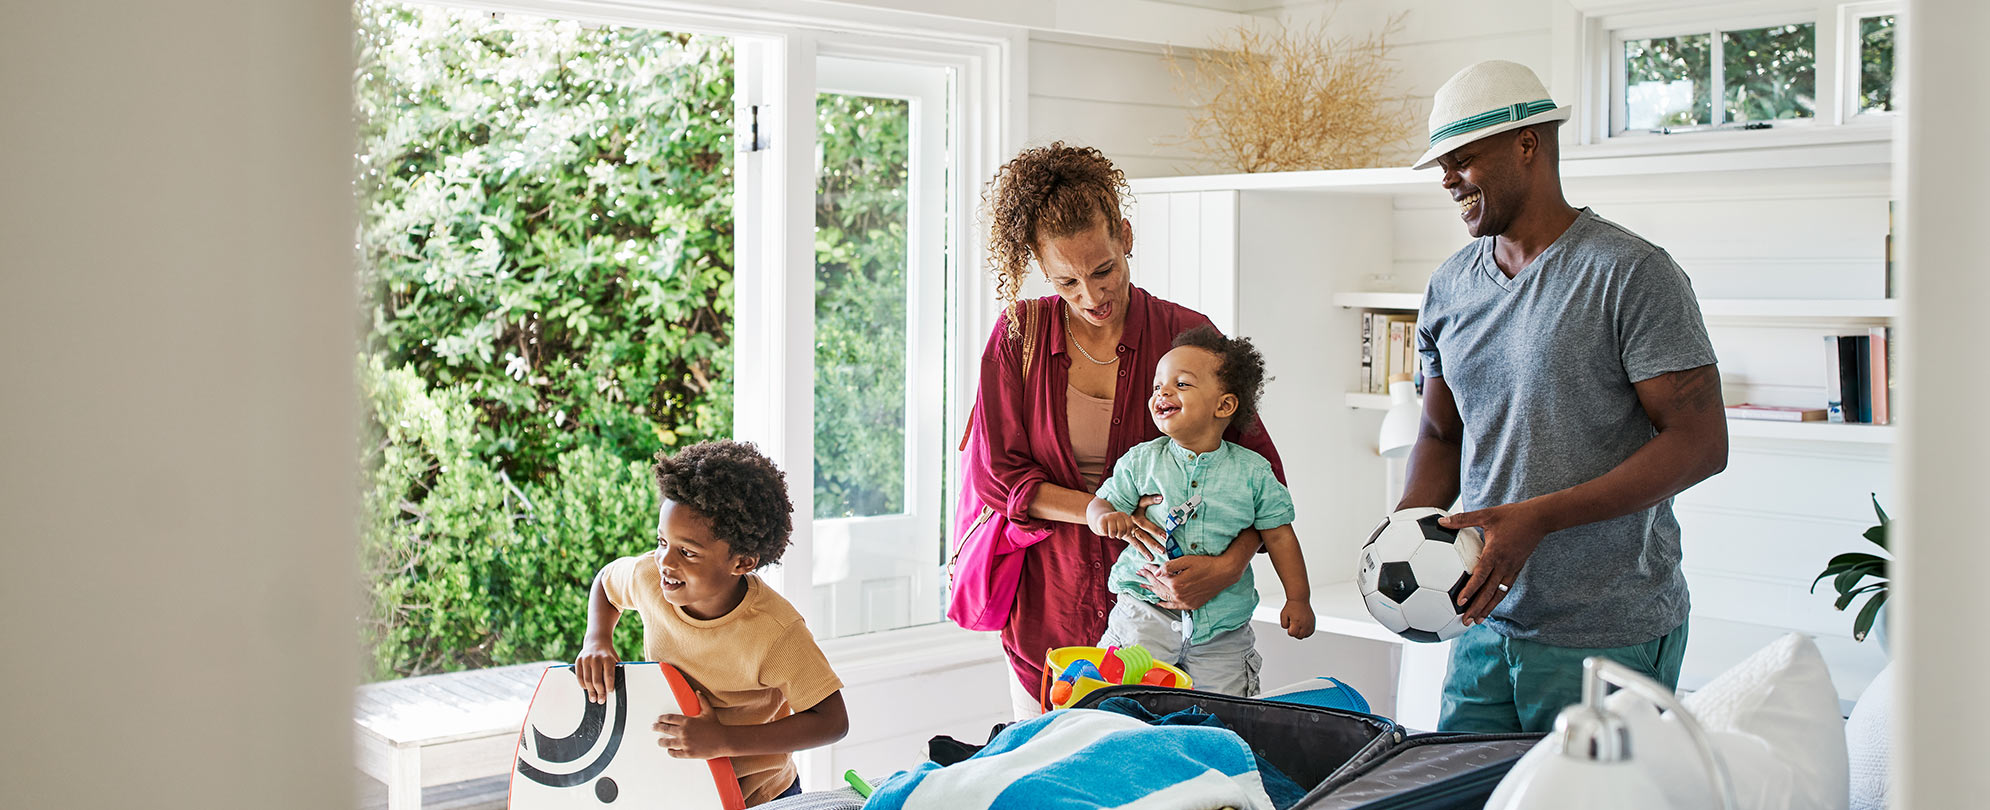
(1294, 100)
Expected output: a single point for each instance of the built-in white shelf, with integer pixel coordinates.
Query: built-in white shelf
(1379, 300)
(1848, 309)
(1859, 161)
(1736, 428)
(1869, 309)
(1374, 402)
(1811, 431)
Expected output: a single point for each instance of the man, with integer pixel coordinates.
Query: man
(1571, 393)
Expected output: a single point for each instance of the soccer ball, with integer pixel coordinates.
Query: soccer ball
(1412, 570)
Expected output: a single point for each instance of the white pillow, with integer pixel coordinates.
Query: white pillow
(1782, 695)
(1661, 746)
(1870, 743)
(1773, 719)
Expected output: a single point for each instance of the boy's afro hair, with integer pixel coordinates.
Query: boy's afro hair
(735, 487)
(1240, 368)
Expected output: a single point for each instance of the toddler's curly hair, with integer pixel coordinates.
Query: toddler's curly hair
(1050, 191)
(735, 487)
(1240, 368)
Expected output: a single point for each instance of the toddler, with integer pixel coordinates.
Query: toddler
(1209, 491)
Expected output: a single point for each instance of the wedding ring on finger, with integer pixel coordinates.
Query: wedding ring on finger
(1503, 588)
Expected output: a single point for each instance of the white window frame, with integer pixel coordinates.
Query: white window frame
(1717, 78)
(927, 88)
(1849, 60)
(1587, 71)
(776, 43)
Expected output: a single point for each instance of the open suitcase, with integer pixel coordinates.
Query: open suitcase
(1349, 760)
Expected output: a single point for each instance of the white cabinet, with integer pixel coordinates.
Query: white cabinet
(1185, 250)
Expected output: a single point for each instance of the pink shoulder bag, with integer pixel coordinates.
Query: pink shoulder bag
(987, 561)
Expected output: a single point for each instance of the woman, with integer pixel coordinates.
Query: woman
(1045, 435)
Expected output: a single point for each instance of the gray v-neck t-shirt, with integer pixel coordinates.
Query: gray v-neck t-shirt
(1542, 366)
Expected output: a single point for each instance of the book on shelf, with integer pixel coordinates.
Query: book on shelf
(1881, 366)
(1848, 375)
(1367, 353)
(1388, 349)
(1891, 215)
(1834, 394)
(1858, 377)
(1395, 351)
(1863, 347)
(1775, 413)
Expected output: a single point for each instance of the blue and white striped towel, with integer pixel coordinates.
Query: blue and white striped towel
(1082, 758)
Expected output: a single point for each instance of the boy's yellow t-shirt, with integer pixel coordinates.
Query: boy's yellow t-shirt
(756, 664)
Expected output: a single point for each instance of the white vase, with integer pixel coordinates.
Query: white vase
(1868, 743)
(1879, 633)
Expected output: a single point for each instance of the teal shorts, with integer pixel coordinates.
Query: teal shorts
(1500, 684)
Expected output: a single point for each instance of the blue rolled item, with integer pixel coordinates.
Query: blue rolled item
(1080, 669)
(1323, 692)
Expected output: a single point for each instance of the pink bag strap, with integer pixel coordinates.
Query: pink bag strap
(1030, 311)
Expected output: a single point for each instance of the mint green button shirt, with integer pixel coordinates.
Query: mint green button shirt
(1238, 492)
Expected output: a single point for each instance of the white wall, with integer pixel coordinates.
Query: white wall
(1120, 96)
(1117, 96)
(1437, 40)
(177, 433)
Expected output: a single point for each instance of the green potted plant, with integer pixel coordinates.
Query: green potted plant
(1850, 572)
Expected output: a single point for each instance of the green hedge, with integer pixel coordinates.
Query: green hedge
(545, 257)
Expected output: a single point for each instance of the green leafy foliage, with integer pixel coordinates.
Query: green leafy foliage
(1685, 61)
(466, 567)
(545, 257)
(1849, 571)
(860, 293)
(1876, 63)
(1769, 73)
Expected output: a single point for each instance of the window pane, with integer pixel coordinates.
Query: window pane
(1668, 82)
(545, 269)
(1876, 64)
(862, 185)
(1770, 73)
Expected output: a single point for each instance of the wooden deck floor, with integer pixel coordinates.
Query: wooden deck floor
(477, 794)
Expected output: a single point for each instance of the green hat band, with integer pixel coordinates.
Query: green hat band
(1502, 115)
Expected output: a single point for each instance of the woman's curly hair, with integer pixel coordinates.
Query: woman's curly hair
(1051, 191)
(735, 487)
(1240, 368)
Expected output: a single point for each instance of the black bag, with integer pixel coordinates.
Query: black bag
(1307, 743)
(1423, 772)
(1348, 760)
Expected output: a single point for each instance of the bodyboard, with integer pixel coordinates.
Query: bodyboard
(576, 755)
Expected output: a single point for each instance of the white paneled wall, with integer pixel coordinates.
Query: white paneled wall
(1437, 40)
(1120, 96)
(1117, 96)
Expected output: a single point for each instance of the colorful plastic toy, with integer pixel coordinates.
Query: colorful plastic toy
(1062, 693)
(1125, 664)
(1158, 677)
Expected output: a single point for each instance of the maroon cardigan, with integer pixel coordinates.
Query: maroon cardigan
(1019, 422)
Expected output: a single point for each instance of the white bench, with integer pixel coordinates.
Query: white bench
(438, 729)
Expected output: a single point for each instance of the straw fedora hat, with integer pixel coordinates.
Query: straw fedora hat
(1486, 99)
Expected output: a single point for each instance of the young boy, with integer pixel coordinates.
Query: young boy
(770, 691)
(1210, 490)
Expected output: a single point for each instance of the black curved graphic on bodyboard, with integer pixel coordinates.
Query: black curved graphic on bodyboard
(573, 746)
(563, 780)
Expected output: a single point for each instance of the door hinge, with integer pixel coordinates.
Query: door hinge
(755, 128)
